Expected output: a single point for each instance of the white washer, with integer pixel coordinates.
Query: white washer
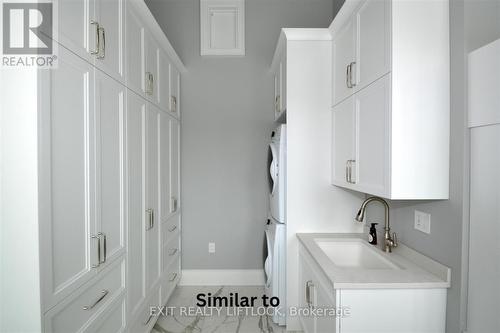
(275, 267)
(277, 173)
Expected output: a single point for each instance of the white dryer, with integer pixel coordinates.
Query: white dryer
(277, 173)
(275, 267)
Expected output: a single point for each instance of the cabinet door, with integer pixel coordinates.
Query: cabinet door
(135, 142)
(343, 144)
(174, 166)
(277, 92)
(344, 63)
(150, 84)
(163, 81)
(175, 82)
(152, 191)
(111, 22)
(307, 295)
(110, 156)
(373, 51)
(373, 137)
(164, 150)
(326, 323)
(67, 178)
(75, 30)
(135, 50)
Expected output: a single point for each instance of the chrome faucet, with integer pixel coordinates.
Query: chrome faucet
(389, 242)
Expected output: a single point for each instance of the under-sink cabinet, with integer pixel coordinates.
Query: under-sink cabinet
(390, 107)
(324, 308)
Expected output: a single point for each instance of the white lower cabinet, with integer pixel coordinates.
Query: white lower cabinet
(329, 310)
(147, 315)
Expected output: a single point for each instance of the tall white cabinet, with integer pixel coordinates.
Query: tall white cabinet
(106, 230)
(390, 122)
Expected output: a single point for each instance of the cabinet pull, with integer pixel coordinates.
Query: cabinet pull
(172, 252)
(151, 218)
(347, 171)
(97, 38)
(149, 83)
(351, 164)
(174, 204)
(172, 228)
(98, 237)
(102, 43)
(149, 319)
(309, 284)
(104, 293)
(347, 75)
(172, 277)
(105, 251)
(350, 75)
(277, 103)
(173, 102)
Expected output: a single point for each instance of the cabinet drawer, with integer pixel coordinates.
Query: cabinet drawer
(146, 318)
(79, 310)
(170, 229)
(112, 320)
(170, 279)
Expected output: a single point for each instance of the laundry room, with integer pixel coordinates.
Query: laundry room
(249, 166)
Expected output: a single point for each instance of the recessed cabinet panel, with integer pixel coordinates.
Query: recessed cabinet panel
(373, 137)
(135, 54)
(343, 142)
(175, 99)
(136, 140)
(344, 63)
(68, 191)
(164, 150)
(174, 166)
(75, 29)
(222, 27)
(110, 156)
(373, 38)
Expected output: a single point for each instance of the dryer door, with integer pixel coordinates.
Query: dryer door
(272, 161)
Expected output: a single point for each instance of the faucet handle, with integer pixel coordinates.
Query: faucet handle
(394, 240)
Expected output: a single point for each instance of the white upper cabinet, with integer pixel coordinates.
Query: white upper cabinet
(94, 30)
(150, 84)
(163, 81)
(110, 36)
(344, 62)
(135, 50)
(175, 81)
(280, 74)
(401, 128)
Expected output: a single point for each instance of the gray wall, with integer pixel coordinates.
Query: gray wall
(473, 23)
(227, 116)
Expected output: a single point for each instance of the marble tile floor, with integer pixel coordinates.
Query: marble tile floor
(224, 322)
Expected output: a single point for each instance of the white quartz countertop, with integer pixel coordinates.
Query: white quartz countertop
(413, 269)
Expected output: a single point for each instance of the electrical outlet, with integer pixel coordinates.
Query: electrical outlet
(211, 247)
(423, 222)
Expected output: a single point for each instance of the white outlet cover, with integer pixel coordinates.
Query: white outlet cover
(423, 222)
(211, 247)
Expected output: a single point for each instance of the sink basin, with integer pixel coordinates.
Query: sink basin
(354, 253)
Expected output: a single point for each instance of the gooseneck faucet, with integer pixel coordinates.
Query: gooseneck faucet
(389, 242)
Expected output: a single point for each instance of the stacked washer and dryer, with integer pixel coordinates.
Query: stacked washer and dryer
(275, 263)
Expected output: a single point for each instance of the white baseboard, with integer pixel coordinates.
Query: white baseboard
(222, 277)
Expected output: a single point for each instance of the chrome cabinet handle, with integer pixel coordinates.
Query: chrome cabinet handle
(347, 171)
(98, 237)
(173, 102)
(309, 285)
(352, 163)
(174, 204)
(102, 43)
(172, 228)
(277, 103)
(104, 293)
(97, 38)
(172, 277)
(149, 83)
(149, 319)
(172, 252)
(151, 218)
(350, 74)
(105, 252)
(347, 75)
